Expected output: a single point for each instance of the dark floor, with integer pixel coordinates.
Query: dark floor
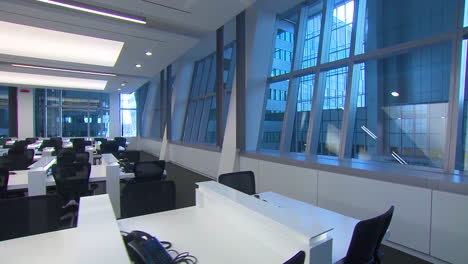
(185, 187)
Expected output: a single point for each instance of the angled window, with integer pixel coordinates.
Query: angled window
(200, 120)
(128, 115)
(284, 43)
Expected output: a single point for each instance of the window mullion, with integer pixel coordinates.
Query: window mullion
(352, 85)
(320, 84)
(291, 101)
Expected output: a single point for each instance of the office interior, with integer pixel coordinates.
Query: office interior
(345, 106)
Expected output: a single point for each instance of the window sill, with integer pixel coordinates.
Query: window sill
(207, 147)
(429, 179)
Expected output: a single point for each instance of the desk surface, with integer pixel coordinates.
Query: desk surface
(343, 226)
(19, 180)
(207, 236)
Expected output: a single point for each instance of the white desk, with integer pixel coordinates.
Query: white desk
(227, 226)
(343, 226)
(47, 152)
(96, 240)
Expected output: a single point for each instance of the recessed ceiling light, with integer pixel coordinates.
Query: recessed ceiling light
(40, 43)
(62, 70)
(124, 83)
(83, 8)
(51, 81)
(395, 94)
(118, 89)
(149, 53)
(138, 65)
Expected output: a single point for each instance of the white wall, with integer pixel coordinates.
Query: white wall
(25, 114)
(150, 146)
(202, 161)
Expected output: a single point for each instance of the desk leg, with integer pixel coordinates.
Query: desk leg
(36, 183)
(321, 250)
(113, 187)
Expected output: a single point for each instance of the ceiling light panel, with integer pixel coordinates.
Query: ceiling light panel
(39, 43)
(51, 81)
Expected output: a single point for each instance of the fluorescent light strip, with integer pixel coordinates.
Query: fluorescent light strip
(19, 78)
(93, 11)
(62, 70)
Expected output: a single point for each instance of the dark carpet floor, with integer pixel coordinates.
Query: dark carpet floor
(185, 196)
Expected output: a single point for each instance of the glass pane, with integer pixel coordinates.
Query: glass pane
(129, 123)
(54, 126)
(99, 123)
(74, 98)
(332, 111)
(342, 25)
(312, 35)
(189, 121)
(205, 75)
(196, 121)
(128, 101)
(229, 66)
(393, 22)
(401, 107)
(303, 108)
(274, 115)
(284, 44)
(212, 77)
(4, 112)
(211, 129)
(204, 119)
(75, 123)
(53, 97)
(197, 76)
(462, 154)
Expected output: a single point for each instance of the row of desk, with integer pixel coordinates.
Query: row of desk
(225, 226)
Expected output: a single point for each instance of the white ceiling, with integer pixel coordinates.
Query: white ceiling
(174, 27)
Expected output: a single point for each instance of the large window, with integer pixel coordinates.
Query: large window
(4, 114)
(384, 97)
(66, 113)
(128, 115)
(200, 121)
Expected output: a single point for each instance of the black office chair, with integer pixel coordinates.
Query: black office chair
(29, 216)
(149, 170)
(100, 140)
(141, 198)
(297, 259)
(73, 140)
(128, 155)
(82, 157)
(20, 159)
(20, 145)
(109, 147)
(79, 146)
(31, 140)
(88, 143)
(4, 176)
(66, 157)
(243, 181)
(121, 141)
(367, 237)
(51, 143)
(72, 180)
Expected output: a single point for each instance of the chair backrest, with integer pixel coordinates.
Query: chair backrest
(88, 143)
(29, 216)
(141, 198)
(101, 140)
(66, 156)
(73, 140)
(243, 181)
(72, 180)
(4, 176)
(79, 145)
(121, 141)
(128, 155)
(367, 237)
(31, 140)
(20, 145)
(109, 147)
(82, 157)
(51, 143)
(297, 259)
(149, 170)
(20, 159)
